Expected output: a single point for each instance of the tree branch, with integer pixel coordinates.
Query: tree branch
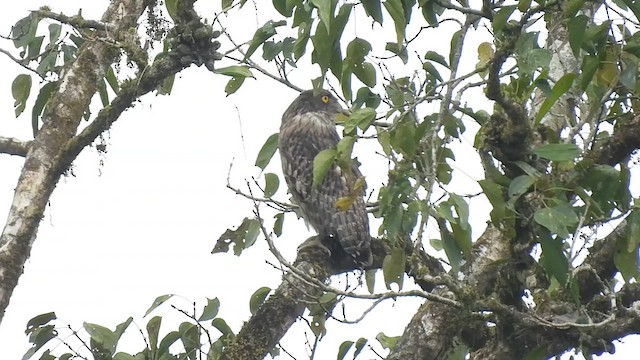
(56, 144)
(39, 176)
(12, 146)
(77, 21)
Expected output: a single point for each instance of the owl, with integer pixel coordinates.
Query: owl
(308, 127)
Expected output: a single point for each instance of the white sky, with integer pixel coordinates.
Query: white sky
(117, 235)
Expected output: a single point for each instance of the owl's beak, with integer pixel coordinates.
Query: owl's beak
(341, 117)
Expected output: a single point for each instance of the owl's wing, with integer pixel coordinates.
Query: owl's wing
(301, 139)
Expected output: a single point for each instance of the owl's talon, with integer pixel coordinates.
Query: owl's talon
(314, 242)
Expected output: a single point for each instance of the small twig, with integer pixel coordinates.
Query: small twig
(322, 286)
(19, 62)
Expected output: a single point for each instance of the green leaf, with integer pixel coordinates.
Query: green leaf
(576, 27)
(118, 356)
(589, 67)
(430, 69)
(39, 337)
(54, 33)
(462, 208)
(436, 244)
(452, 250)
(277, 225)
(263, 34)
(384, 138)
(235, 70)
(172, 8)
(166, 342)
(210, 310)
(300, 45)
(157, 302)
(102, 92)
(102, 336)
(242, 238)
(357, 49)
(266, 152)
(21, 88)
(39, 320)
(627, 250)
(501, 17)
(455, 41)
(387, 342)
(226, 4)
(34, 47)
(253, 230)
(556, 219)
(520, 185)
(560, 88)
(190, 339)
(167, 85)
(572, 7)
(370, 278)
(317, 326)
(398, 49)
(325, 11)
(626, 261)
(558, 152)
(493, 192)
(120, 329)
(632, 234)
(344, 149)
(344, 349)
(323, 47)
(538, 353)
(363, 117)
(394, 8)
(222, 326)
(366, 73)
(434, 56)
(402, 138)
(153, 329)
(321, 165)
(112, 80)
(24, 31)
(284, 7)
(359, 346)
(554, 260)
(629, 74)
(234, 84)
(634, 6)
(272, 182)
(373, 9)
(258, 298)
(393, 267)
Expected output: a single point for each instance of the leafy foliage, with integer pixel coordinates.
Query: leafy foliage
(554, 126)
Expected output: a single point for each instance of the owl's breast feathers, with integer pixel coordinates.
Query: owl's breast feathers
(302, 137)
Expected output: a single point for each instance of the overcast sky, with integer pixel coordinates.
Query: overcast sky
(141, 220)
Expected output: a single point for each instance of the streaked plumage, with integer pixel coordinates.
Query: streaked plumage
(308, 128)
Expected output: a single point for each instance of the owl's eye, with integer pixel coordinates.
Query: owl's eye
(325, 99)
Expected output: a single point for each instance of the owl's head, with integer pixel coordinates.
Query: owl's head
(317, 100)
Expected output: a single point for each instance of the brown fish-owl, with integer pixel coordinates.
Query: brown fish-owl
(308, 127)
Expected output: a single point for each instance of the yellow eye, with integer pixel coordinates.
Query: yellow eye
(325, 99)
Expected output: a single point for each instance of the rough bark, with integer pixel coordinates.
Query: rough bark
(12, 146)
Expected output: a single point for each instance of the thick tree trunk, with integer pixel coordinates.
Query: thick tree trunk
(39, 176)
